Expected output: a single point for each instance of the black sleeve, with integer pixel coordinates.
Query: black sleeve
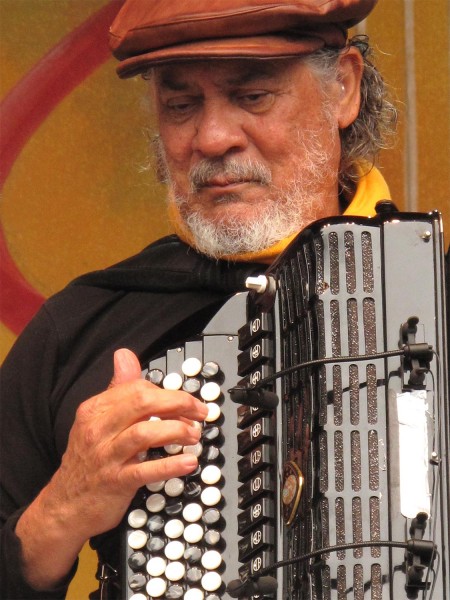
(27, 453)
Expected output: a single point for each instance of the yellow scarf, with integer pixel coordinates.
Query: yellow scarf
(371, 188)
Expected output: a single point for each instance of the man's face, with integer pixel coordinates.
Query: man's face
(248, 145)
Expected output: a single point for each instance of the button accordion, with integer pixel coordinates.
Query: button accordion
(323, 462)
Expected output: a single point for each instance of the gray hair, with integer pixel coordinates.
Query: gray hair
(376, 122)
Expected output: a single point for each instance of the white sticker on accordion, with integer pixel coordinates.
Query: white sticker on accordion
(412, 410)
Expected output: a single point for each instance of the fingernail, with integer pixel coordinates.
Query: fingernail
(123, 358)
(189, 461)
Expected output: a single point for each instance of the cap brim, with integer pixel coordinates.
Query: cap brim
(257, 47)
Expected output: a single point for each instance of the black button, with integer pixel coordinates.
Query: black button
(256, 514)
(258, 459)
(174, 592)
(156, 376)
(155, 523)
(194, 574)
(257, 327)
(260, 484)
(259, 352)
(255, 376)
(211, 516)
(212, 537)
(259, 432)
(193, 554)
(192, 489)
(137, 581)
(248, 414)
(257, 563)
(137, 560)
(257, 540)
(210, 433)
(155, 544)
(173, 508)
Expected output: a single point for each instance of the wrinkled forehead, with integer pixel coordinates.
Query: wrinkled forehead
(227, 73)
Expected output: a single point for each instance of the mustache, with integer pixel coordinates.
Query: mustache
(231, 170)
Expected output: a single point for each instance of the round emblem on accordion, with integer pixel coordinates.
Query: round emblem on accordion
(291, 491)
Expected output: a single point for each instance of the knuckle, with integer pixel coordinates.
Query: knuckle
(84, 412)
(140, 432)
(134, 476)
(139, 392)
(162, 469)
(189, 402)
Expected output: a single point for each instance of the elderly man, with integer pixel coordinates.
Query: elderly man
(268, 119)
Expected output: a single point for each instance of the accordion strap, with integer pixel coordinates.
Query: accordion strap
(108, 579)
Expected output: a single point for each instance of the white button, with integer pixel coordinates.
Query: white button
(138, 597)
(156, 566)
(194, 594)
(173, 448)
(174, 487)
(211, 496)
(192, 512)
(213, 412)
(137, 518)
(211, 559)
(174, 528)
(210, 369)
(191, 367)
(137, 539)
(174, 550)
(172, 381)
(195, 449)
(175, 571)
(155, 503)
(210, 391)
(156, 587)
(211, 581)
(193, 533)
(211, 474)
(156, 486)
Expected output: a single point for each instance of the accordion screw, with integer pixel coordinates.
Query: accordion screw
(434, 458)
(426, 236)
(258, 284)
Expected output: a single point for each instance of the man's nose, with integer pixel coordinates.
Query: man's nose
(218, 130)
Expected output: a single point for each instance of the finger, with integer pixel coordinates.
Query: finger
(152, 434)
(137, 475)
(126, 367)
(112, 411)
(140, 400)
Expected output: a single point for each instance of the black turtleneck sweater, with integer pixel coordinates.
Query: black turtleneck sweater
(146, 303)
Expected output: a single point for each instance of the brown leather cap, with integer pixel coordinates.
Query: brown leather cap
(150, 32)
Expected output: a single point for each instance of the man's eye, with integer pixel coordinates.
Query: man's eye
(257, 101)
(180, 106)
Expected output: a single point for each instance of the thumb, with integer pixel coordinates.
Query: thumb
(126, 367)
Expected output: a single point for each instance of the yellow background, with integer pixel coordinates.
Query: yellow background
(79, 196)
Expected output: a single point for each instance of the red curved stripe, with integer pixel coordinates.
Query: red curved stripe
(25, 107)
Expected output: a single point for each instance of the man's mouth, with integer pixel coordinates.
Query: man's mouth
(223, 182)
(220, 174)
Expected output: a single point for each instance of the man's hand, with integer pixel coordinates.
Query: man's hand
(100, 470)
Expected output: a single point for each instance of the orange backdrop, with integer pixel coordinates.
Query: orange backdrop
(74, 146)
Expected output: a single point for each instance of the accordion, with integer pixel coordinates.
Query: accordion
(323, 463)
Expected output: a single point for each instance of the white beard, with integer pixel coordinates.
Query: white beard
(288, 210)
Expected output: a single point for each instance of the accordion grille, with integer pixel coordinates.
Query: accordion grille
(336, 408)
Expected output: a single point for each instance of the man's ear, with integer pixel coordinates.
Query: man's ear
(351, 68)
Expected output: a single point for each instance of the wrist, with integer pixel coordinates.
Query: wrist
(49, 544)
